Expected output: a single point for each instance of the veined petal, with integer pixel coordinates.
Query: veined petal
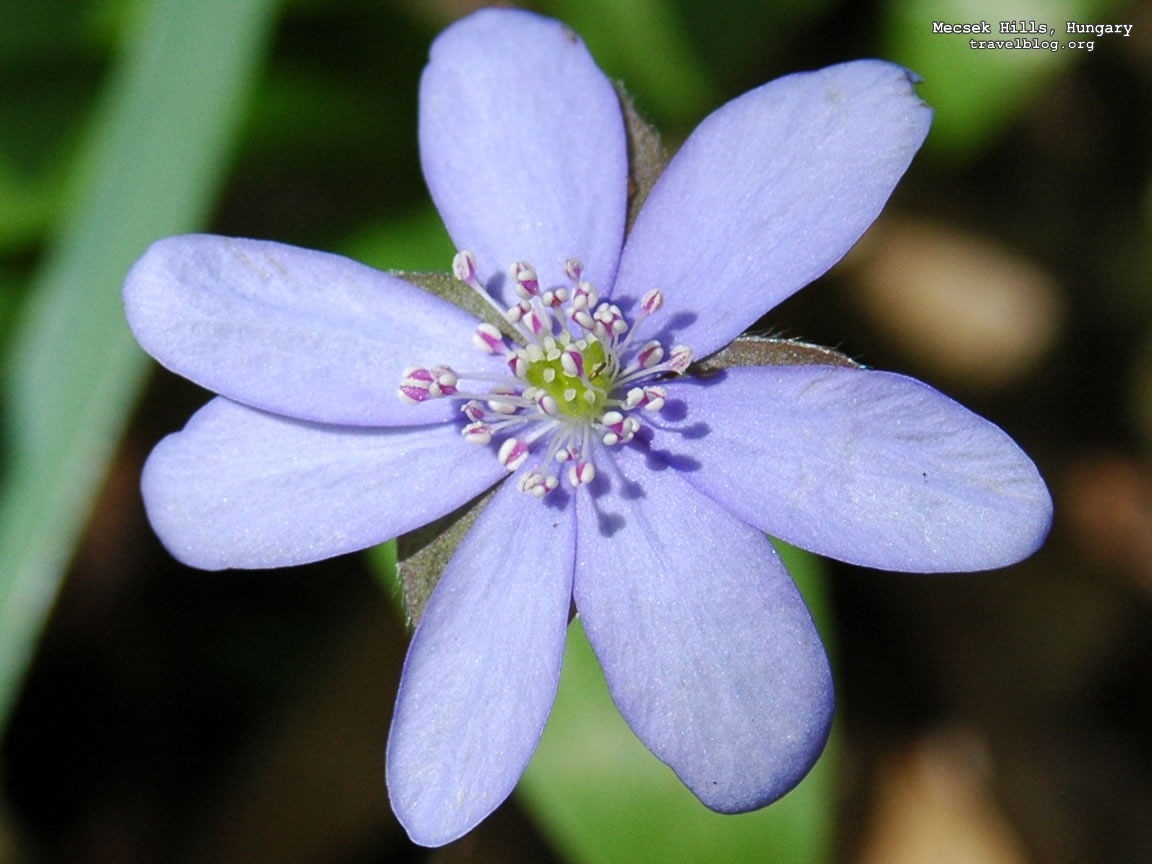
(482, 669)
(302, 333)
(868, 467)
(241, 488)
(768, 193)
(708, 649)
(523, 148)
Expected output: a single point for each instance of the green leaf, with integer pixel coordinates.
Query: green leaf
(646, 43)
(151, 166)
(602, 797)
(29, 203)
(976, 92)
(418, 242)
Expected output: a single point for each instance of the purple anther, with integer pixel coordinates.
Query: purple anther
(488, 339)
(584, 297)
(524, 275)
(538, 484)
(477, 433)
(464, 266)
(680, 359)
(582, 473)
(572, 362)
(473, 410)
(518, 364)
(547, 404)
(651, 354)
(650, 302)
(512, 454)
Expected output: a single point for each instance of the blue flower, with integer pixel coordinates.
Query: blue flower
(641, 493)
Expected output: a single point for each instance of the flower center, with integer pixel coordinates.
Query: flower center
(577, 376)
(558, 374)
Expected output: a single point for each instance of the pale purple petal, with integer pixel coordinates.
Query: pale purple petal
(768, 193)
(241, 488)
(482, 669)
(522, 144)
(868, 467)
(708, 649)
(298, 332)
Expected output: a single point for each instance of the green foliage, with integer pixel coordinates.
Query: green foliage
(151, 164)
(645, 43)
(975, 92)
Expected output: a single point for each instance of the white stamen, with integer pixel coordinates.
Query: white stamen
(477, 433)
(680, 359)
(464, 266)
(524, 275)
(580, 316)
(572, 362)
(537, 484)
(488, 339)
(535, 321)
(651, 354)
(515, 313)
(502, 406)
(531, 401)
(654, 398)
(444, 384)
(518, 364)
(651, 302)
(585, 296)
(418, 385)
(512, 453)
(548, 405)
(582, 473)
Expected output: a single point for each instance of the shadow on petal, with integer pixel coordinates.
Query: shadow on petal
(677, 322)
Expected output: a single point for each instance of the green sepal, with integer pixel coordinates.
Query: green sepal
(448, 287)
(646, 156)
(422, 555)
(768, 351)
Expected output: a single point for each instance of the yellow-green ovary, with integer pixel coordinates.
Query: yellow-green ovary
(549, 376)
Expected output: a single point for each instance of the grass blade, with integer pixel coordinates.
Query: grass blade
(153, 162)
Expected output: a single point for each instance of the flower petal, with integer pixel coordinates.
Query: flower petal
(708, 649)
(482, 669)
(298, 332)
(522, 144)
(768, 193)
(868, 467)
(241, 488)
